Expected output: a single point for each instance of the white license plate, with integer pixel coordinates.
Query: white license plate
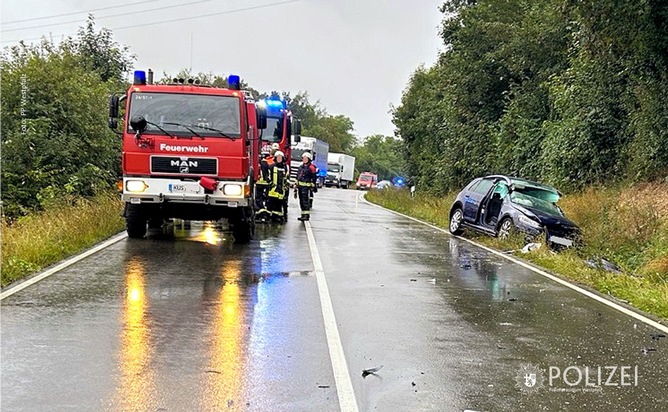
(561, 241)
(184, 188)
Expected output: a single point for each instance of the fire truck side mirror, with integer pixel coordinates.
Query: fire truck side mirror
(297, 130)
(261, 117)
(113, 111)
(138, 123)
(296, 127)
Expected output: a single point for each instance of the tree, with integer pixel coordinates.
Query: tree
(55, 139)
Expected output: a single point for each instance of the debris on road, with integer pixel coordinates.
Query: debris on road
(372, 371)
(657, 336)
(323, 386)
(530, 247)
(604, 264)
(645, 351)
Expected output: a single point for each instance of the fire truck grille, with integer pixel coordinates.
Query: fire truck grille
(184, 165)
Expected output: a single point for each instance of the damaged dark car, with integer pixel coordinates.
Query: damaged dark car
(498, 205)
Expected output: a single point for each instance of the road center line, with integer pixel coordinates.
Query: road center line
(63, 265)
(557, 279)
(344, 386)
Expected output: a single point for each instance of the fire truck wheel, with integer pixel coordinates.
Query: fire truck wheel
(136, 227)
(243, 230)
(135, 223)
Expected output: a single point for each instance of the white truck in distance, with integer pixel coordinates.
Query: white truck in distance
(340, 170)
(318, 149)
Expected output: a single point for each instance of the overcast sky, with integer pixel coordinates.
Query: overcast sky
(354, 56)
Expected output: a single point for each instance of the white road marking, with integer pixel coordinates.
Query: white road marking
(63, 265)
(563, 282)
(344, 386)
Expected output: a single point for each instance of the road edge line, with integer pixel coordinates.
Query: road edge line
(557, 279)
(60, 266)
(344, 385)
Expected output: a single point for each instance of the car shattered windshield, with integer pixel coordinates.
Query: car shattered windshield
(532, 201)
(207, 115)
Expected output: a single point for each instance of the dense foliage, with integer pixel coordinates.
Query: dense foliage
(563, 91)
(55, 139)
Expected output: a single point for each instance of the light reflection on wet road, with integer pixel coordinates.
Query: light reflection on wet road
(192, 322)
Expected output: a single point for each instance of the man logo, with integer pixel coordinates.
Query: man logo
(529, 378)
(183, 164)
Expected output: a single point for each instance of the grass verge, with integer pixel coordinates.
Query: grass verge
(628, 226)
(42, 239)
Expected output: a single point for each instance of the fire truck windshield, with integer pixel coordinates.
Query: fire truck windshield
(208, 115)
(273, 132)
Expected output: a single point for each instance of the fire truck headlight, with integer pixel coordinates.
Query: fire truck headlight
(135, 186)
(233, 190)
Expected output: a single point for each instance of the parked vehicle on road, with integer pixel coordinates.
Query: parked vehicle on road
(189, 152)
(498, 205)
(319, 150)
(383, 184)
(367, 181)
(340, 170)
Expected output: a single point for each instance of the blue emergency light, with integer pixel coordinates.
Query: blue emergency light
(234, 82)
(140, 77)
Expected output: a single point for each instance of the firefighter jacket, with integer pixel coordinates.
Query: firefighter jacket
(278, 180)
(264, 173)
(307, 175)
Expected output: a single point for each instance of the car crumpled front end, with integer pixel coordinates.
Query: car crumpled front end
(558, 231)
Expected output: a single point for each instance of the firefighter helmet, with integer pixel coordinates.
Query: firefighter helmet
(275, 146)
(279, 153)
(308, 155)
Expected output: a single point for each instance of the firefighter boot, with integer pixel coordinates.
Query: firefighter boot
(304, 217)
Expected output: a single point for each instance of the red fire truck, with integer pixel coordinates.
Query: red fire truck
(189, 152)
(280, 125)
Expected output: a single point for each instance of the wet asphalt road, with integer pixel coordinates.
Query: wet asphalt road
(192, 322)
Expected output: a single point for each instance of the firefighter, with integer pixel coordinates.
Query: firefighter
(307, 174)
(275, 148)
(262, 187)
(278, 180)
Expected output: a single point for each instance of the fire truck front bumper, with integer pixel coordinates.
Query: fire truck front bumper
(163, 190)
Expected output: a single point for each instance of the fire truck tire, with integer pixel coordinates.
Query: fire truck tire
(136, 228)
(135, 223)
(243, 227)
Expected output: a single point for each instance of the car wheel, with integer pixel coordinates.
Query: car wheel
(456, 219)
(506, 227)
